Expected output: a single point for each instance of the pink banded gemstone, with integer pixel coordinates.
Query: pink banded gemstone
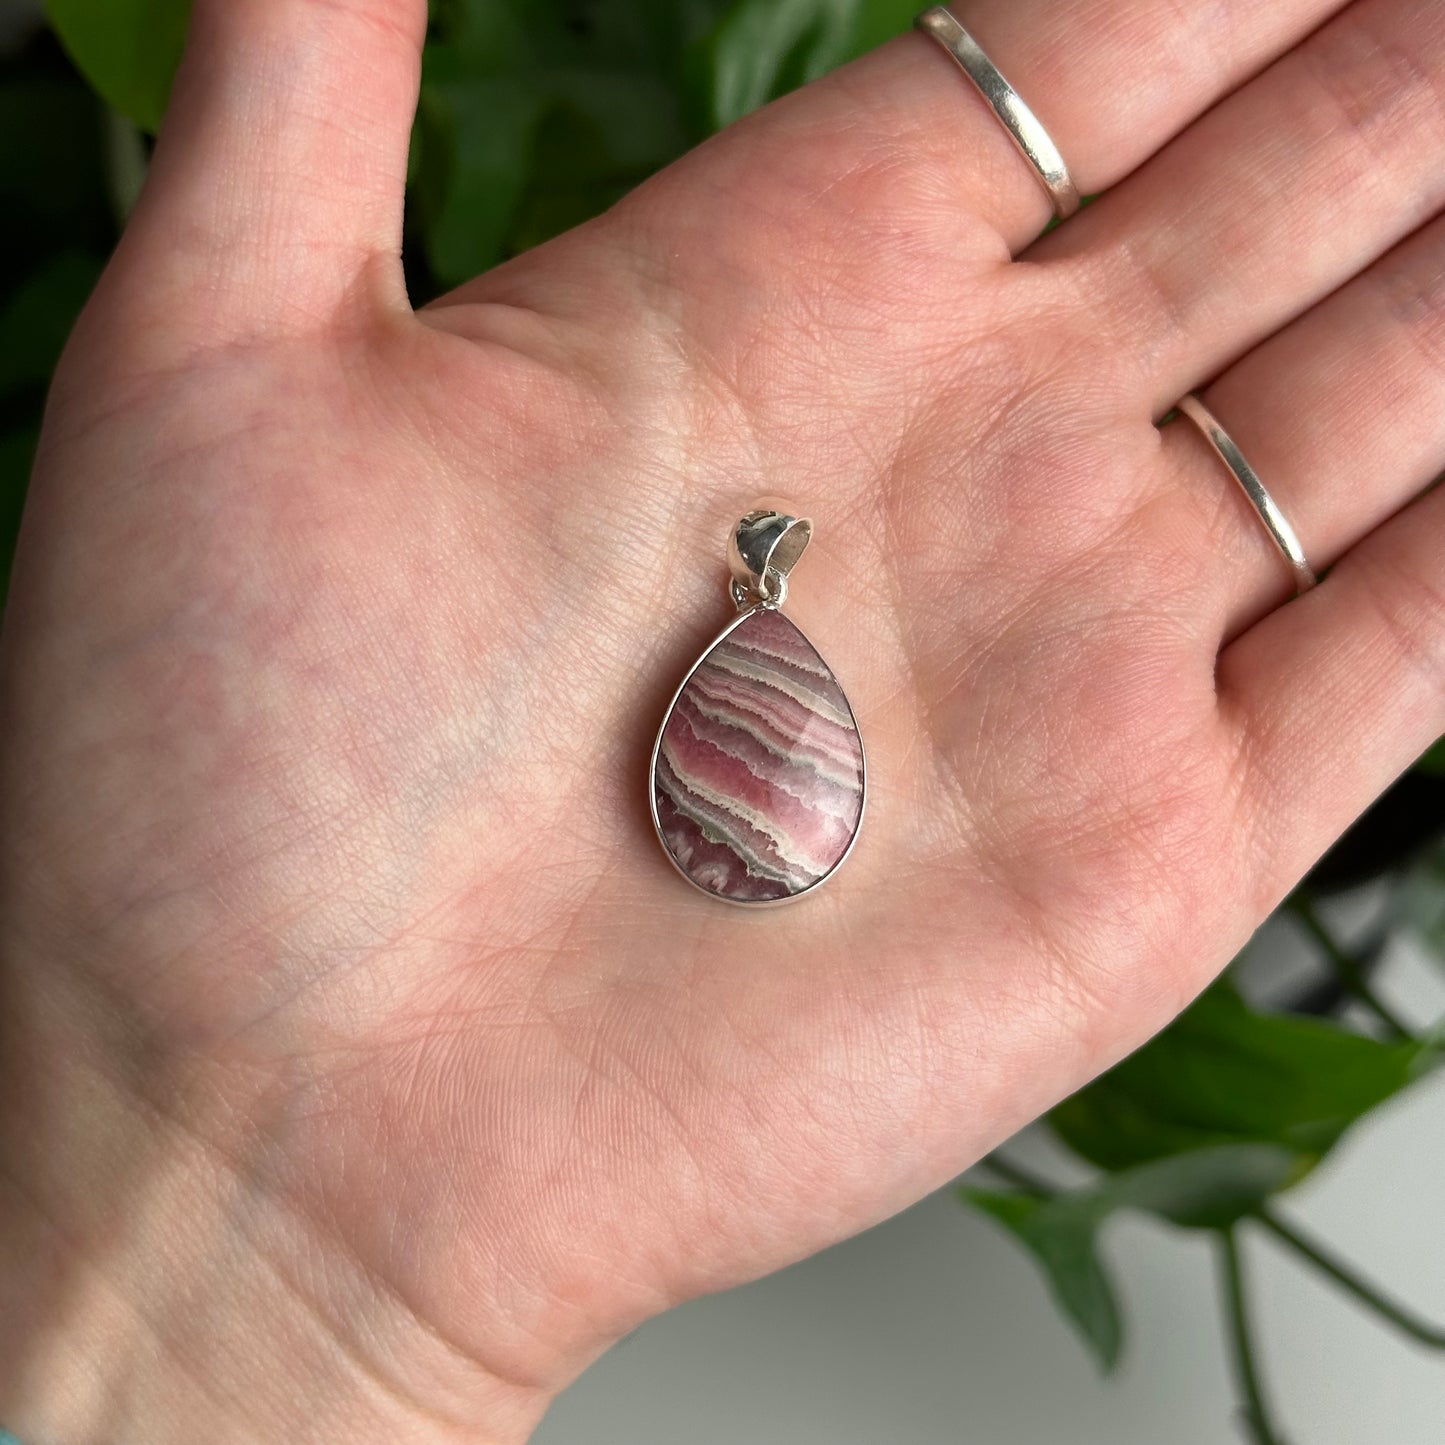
(758, 777)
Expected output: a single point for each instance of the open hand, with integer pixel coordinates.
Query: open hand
(367, 1068)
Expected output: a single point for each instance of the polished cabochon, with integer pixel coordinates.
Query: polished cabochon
(758, 773)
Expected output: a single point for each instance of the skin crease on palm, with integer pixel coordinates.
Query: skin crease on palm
(366, 1068)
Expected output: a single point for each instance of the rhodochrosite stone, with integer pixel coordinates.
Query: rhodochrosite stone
(758, 779)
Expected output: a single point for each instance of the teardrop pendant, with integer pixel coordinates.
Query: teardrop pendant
(758, 775)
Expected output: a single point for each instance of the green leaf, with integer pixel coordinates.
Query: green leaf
(1420, 903)
(1225, 1074)
(634, 118)
(762, 48)
(878, 21)
(1434, 760)
(655, 36)
(475, 141)
(537, 116)
(37, 318)
(1207, 1189)
(494, 35)
(527, 128)
(17, 456)
(587, 154)
(1060, 1234)
(127, 49)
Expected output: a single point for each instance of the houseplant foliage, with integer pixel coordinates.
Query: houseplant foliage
(536, 114)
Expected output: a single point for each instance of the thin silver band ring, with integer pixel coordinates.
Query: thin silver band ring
(1279, 529)
(1023, 126)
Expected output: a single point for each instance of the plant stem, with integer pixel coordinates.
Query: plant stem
(1347, 967)
(1348, 1280)
(1246, 1370)
(1021, 1179)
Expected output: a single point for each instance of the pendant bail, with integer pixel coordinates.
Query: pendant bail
(758, 779)
(765, 546)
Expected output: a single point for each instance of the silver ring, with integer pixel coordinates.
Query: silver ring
(1280, 531)
(1022, 125)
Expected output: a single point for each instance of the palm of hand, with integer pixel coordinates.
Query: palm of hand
(374, 616)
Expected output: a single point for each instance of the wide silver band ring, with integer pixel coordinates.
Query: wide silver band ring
(1279, 529)
(1023, 126)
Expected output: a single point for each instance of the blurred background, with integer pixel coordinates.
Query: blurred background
(1233, 1236)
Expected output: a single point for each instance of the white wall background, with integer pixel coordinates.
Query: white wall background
(933, 1329)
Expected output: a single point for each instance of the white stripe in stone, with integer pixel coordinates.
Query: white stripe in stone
(740, 667)
(845, 777)
(729, 803)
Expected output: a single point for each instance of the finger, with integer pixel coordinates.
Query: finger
(1110, 83)
(860, 182)
(1338, 692)
(280, 172)
(1278, 196)
(1339, 414)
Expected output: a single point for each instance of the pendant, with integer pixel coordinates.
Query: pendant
(758, 775)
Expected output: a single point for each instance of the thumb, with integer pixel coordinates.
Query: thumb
(279, 176)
